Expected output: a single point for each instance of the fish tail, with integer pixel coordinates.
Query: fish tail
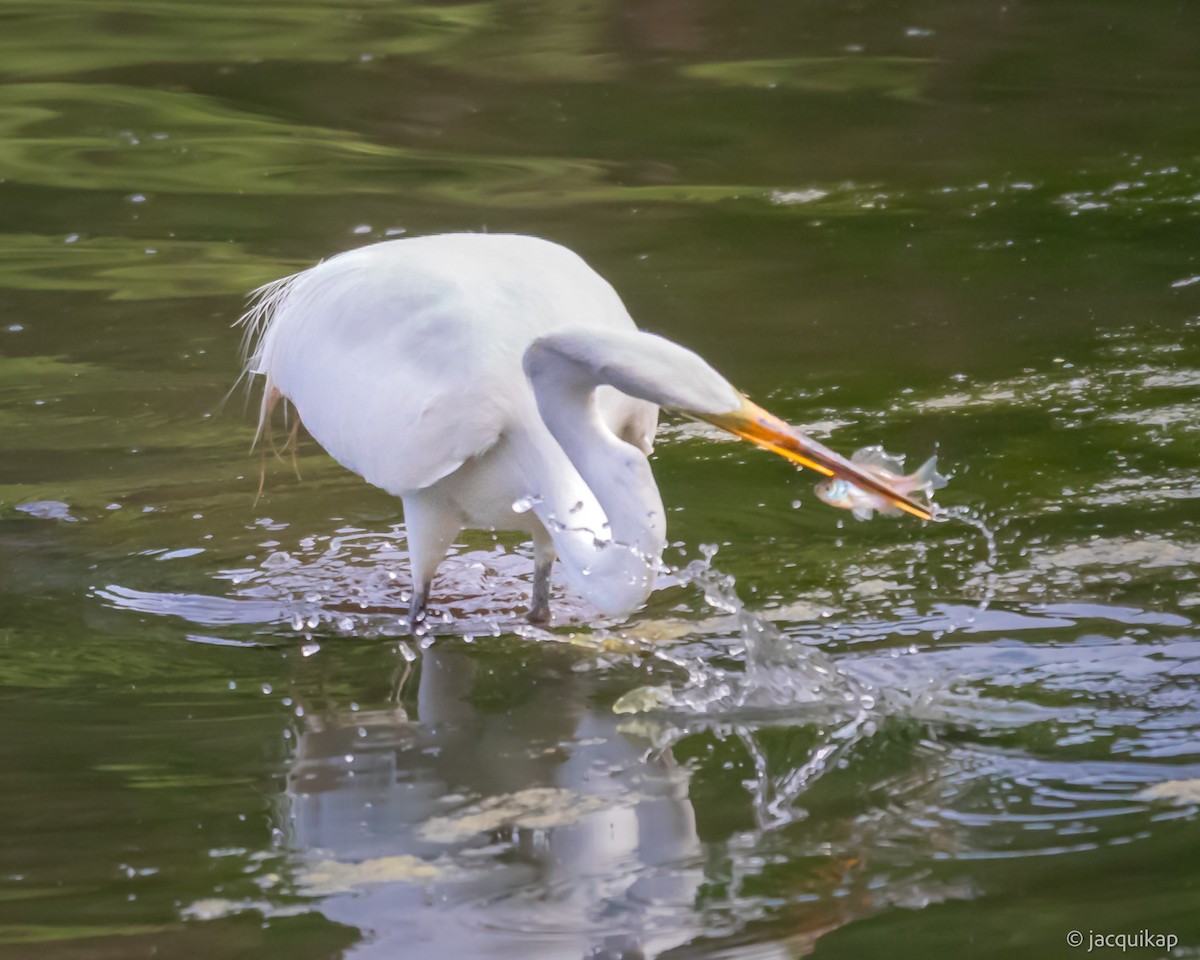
(927, 477)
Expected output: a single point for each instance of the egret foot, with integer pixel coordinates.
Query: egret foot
(538, 613)
(417, 609)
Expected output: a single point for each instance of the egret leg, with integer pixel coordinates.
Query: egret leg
(543, 561)
(431, 528)
(417, 605)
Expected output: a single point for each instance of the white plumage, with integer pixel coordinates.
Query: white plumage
(496, 381)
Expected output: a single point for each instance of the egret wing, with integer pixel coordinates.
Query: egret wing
(381, 376)
(404, 358)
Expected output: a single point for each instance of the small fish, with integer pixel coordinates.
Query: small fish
(876, 460)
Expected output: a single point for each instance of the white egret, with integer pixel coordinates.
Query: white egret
(498, 382)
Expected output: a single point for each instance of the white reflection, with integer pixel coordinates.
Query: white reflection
(527, 832)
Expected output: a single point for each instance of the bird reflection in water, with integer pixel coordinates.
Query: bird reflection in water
(478, 817)
(549, 834)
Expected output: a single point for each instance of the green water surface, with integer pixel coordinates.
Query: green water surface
(973, 227)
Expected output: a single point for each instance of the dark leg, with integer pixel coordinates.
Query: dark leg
(543, 561)
(430, 529)
(416, 607)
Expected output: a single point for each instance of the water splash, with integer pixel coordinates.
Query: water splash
(734, 675)
(780, 683)
(964, 515)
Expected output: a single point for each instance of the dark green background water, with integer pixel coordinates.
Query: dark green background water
(964, 224)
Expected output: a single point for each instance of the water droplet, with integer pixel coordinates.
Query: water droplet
(525, 504)
(267, 689)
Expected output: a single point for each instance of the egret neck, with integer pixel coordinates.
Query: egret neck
(600, 506)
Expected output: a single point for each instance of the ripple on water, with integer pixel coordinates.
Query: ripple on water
(1013, 730)
(356, 582)
(1018, 710)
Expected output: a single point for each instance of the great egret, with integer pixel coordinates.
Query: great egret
(495, 381)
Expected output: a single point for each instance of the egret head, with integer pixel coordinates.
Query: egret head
(642, 365)
(660, 371)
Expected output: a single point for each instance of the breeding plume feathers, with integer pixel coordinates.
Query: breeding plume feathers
(266, 302)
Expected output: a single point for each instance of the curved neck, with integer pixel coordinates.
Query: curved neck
(598, 499)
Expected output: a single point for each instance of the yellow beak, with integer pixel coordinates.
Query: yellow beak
(751, 422)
